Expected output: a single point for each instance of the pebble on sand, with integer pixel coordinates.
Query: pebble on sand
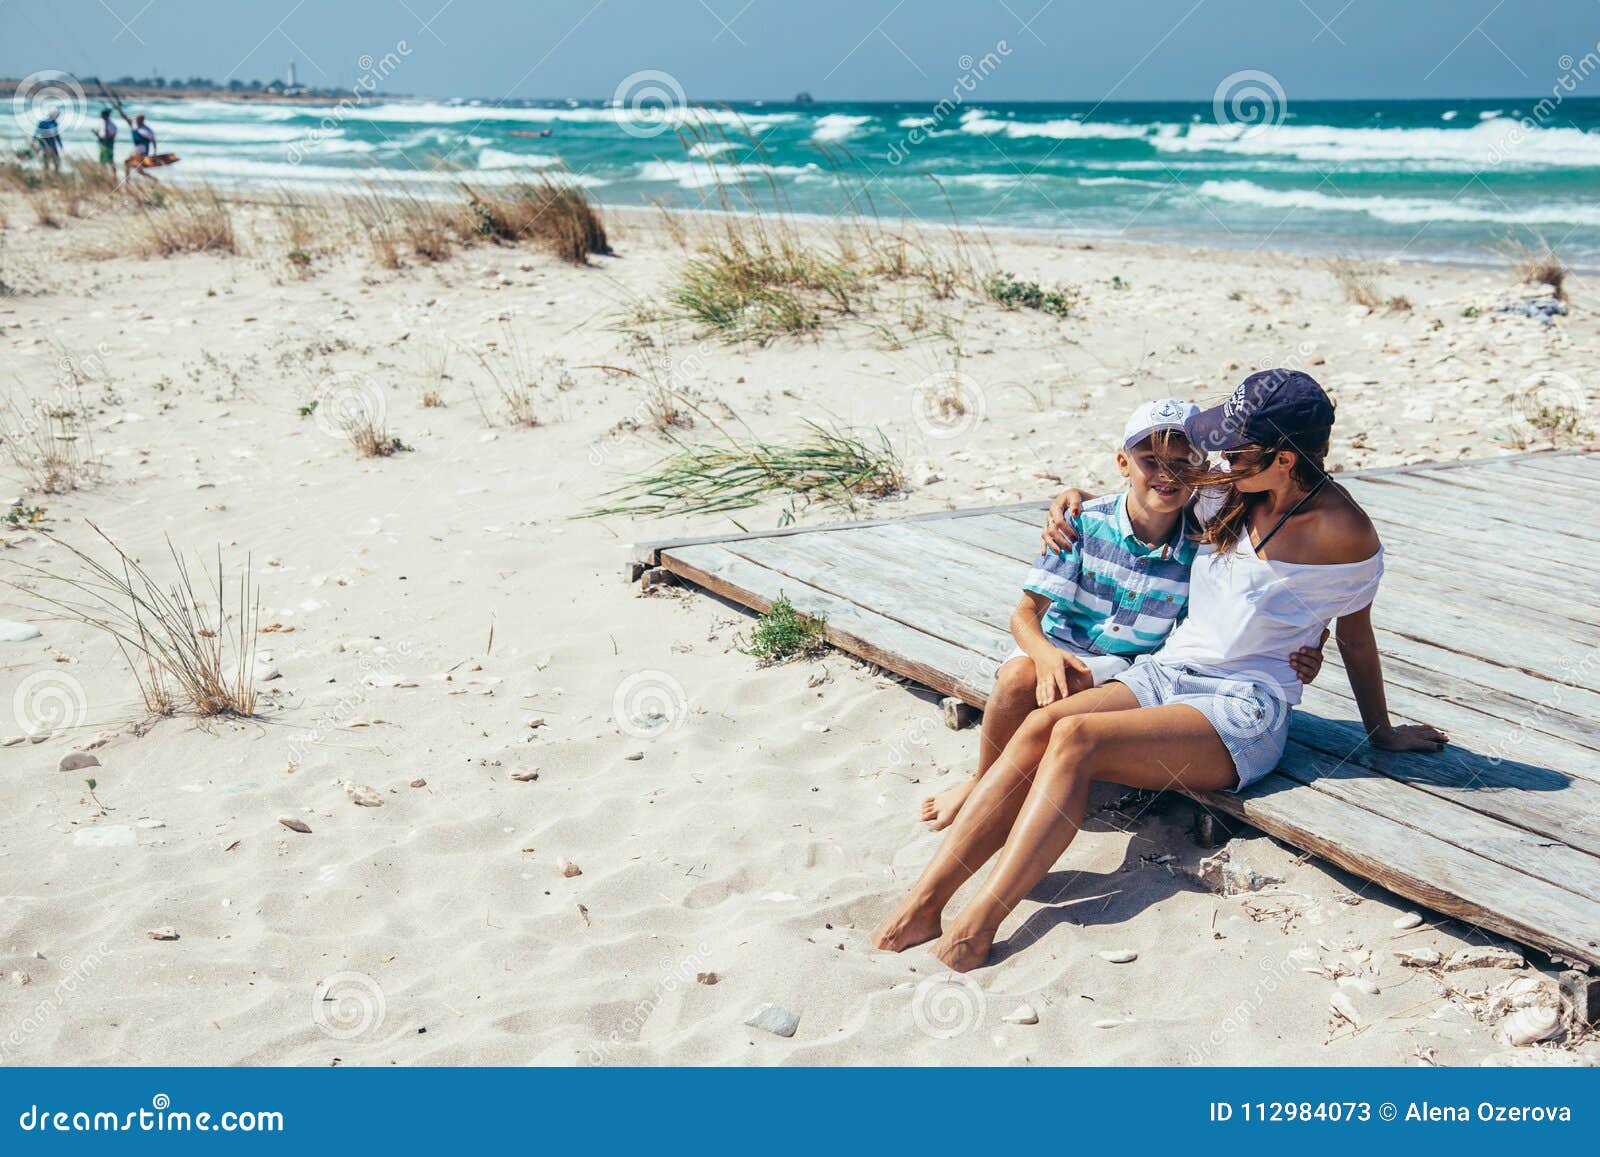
(11, 632)
(77, 761)
(165, 932)
(295, 825)
(774, 1018)
(363, 796)
(1022, 1014)
(1344, 1007)
(706, 978)
(1483, 958)
(1419, 958)
(567, 868)
(1120, 956)
(419, 782)
(1409, 920)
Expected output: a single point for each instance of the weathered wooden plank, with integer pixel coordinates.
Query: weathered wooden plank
(1430, 871)
(931, 661)
(1584, 467)
(1567, 868)
(1472, 542)
(921, 597)
(1538, 799)
(1510, 484)
(1502, 593)
(1430, 497)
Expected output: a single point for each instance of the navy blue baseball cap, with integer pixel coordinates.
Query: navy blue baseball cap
(1269, 408)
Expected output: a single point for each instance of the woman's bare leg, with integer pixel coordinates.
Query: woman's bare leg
(986, 818)
(1152, 747)
(1014, 698)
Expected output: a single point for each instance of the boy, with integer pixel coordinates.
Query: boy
(1087, 613)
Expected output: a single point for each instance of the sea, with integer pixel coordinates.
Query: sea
(1444, 180)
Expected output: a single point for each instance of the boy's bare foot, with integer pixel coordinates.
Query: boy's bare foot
(910, 926)
(962, 951)
(939, 811)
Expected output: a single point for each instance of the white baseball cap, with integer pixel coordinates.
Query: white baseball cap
(1162, 414)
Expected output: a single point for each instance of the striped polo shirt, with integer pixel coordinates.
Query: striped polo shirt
(1113, 595)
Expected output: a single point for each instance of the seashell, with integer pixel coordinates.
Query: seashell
(363, 796)
(295, 825)
(1120, 956)
(1344, 1007)
(77, 761)
(1409, 920)
(1022, 1014)
(706, 978)
(524, 776)
(419, 782)
(1109, 1023)
(567, 868)
(1528, 1026)
(1483, 958)
(165, 932)
(1360, 984)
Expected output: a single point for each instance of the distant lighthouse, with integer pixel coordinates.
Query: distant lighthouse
(290, 80)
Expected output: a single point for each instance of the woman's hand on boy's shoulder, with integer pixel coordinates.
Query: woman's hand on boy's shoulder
(1059, 532)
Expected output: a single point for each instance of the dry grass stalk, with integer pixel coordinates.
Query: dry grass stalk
(1357, 282)
(193, 220)
(182, 644)
(48, 442)
(1539, 265)
(516, 379)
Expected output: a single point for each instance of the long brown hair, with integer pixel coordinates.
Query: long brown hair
(1231, 522)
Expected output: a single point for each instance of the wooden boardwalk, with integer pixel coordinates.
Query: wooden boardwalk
(1489, 623)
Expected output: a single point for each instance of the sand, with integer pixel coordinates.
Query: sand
(449, 625)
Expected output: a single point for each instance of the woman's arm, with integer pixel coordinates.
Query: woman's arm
(1358, 648)
(1059, 535)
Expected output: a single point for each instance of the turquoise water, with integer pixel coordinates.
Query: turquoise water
(1426, 179)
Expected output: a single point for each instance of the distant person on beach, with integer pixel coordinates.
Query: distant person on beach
(144, 144)
(47, 140)
(1210, 710)
(1087, 613)
(106, 134)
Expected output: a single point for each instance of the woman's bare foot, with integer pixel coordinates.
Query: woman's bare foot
(913, 924)
(939, 811)
(962, 951)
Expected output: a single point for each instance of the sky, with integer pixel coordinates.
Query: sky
(910, 50)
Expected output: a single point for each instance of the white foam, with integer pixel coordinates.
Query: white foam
(500, 159)
(1399, 210)
(704, 174)
(1487, 143)
(838, 127)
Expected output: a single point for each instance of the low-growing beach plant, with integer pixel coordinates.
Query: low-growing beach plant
(547, 211)
(783, 633)
(827, 465)
(516, 378)
(189, 647)
(1060, 301)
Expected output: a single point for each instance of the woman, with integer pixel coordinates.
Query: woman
(1209, 712)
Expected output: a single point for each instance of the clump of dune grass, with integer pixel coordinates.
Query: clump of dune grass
(758, 274)
(1537, 265)
(430, 228)
(1357, 282)
(370, 436)
(783, 633)
(1058, 301)
(49, 442)
(44, 210)
(376, 218)
(826, 465)
(555, 214)
(194, 220)
(515, 378)
(435, 360)
(298, 228)
(189, 646)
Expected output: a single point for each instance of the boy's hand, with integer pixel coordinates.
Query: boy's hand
(1059, 674)
(1058, 536)
(1307, 661)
